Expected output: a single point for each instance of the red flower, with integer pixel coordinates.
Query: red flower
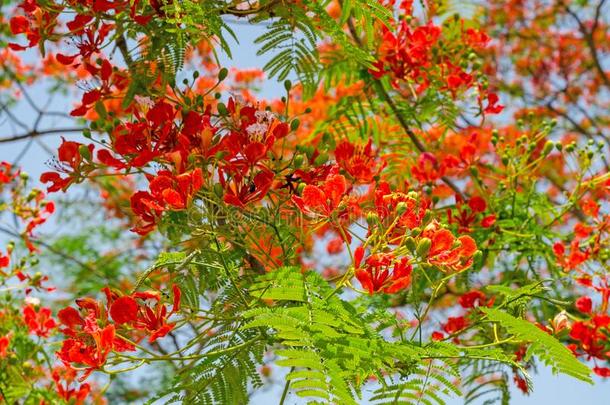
(411, 214)
(472, 299)
(488, 221)
(428, 168)
(70, 159)
(602, 371)
(335, 246)
(437, 336)
(5, 261)
(521, 383)
(144, 310)
(242, 186)
(444, 252)
(5, 341)
(455, 324)
(492, 104)
(38, 322)
(88, 343)
(574, 259)
(358, 160)
(584, 304)
(19, 24)
(167, 192)
(70, 395)
(375, 275)
(322, 201)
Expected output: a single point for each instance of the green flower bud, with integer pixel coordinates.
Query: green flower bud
(321, 159)
(222, 109)
(224, 72)
(401, 208)
(218, 190)
(423, 247)
(294, 125)
(84, 151)
(300, 188)
(410, 244)
(372, 218)
(548, 147)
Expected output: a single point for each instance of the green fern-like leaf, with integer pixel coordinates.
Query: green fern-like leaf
(546, 347)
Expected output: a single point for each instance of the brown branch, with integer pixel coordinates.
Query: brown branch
(36, 133)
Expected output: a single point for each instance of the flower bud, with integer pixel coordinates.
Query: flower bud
(548, 147)
(294, 125)
(427, 216)
(477, 259)
(560, 322)
(372, 218)
(298, 161)
(401, 208)
(410, 244)
(218, 190)
(423, 247)
(84, 151)
(222, 74)
(300, 188)
(222, 109)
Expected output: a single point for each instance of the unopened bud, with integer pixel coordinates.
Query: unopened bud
(372, 218)
(560, 322)
(548, 147)
(294, 124)
(218, 190)
(224, 72)
(423, 247)
(300, 188)
(401, 208)
(84, 151)
(222, 109)
(410, 244)
(477, 259)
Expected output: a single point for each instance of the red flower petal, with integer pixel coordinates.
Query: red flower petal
(584, 304)
(19, 24)
(65, 60)
(124, 309)
(70, 317)
(313, 196)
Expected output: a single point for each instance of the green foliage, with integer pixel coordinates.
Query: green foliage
(546, 347)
